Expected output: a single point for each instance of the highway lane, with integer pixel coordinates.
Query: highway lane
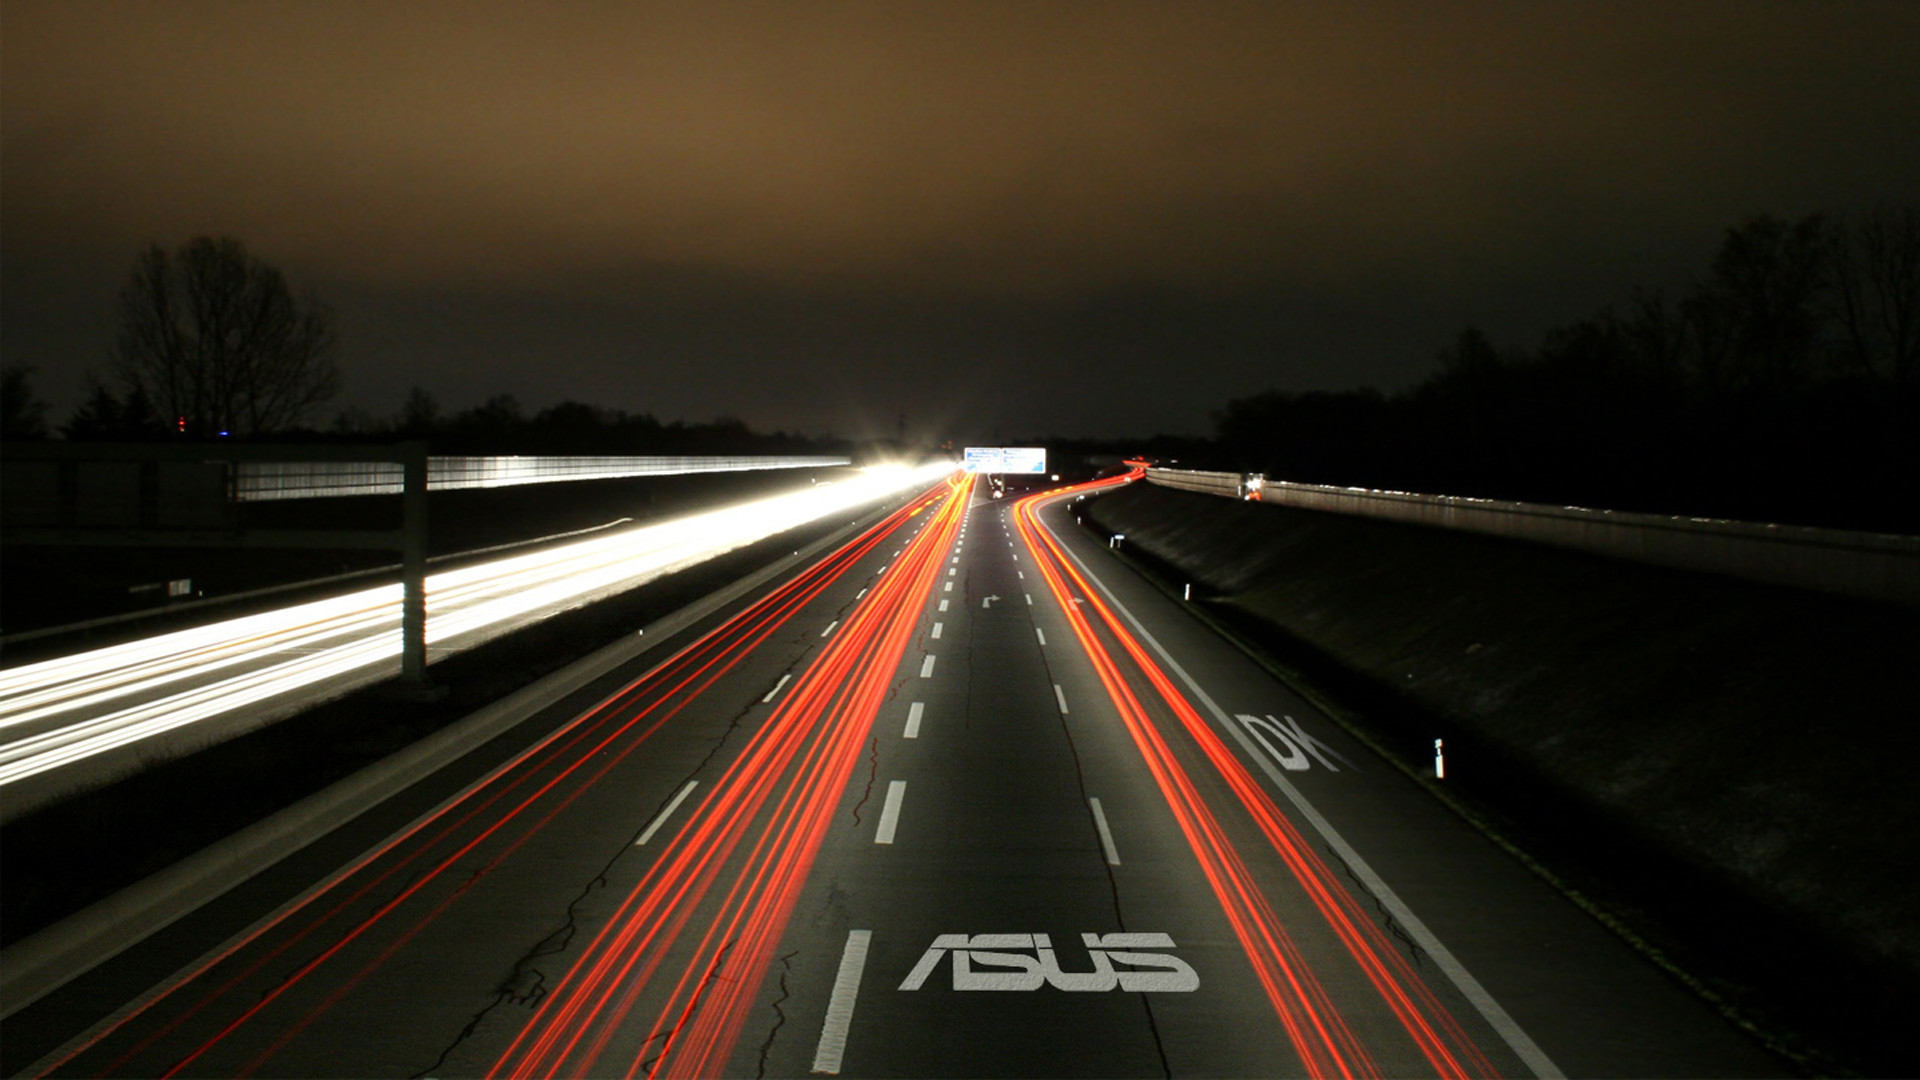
(946, 804)
(998, 848)
(438, 941)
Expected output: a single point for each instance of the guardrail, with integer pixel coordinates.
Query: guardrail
(1875, 566)
(262, 481)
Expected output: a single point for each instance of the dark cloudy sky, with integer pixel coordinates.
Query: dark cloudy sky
(1078, 218)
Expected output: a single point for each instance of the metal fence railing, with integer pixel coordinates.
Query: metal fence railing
(1875, 566)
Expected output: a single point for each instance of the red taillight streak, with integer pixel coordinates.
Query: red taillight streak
(732, 658)
(1428, 1023)
(1318, 1033)
(718, 1025)
(734, 638)
(601, 987)
(782, 874)
(752, 636)
(692, 860)
(808, 703)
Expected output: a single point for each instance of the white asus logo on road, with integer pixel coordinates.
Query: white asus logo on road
(981, 962)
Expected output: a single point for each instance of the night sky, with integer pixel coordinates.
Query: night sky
(996, 219)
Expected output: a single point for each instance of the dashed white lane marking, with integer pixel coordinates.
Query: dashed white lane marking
(661, 818)
(1022, 573)
(914, 712)
(860, 594)
(1029, 597)
(777, 686)
(1490, 1009)
(1061, 696)
(1041, 634)
(846, 987)
(952, 571)
(1016, 558)
(956, 560)
(949, 587)
(1106, 834)
(926, 667)
(936, 629)
(943, 605)
(829, 628)
(890, 813)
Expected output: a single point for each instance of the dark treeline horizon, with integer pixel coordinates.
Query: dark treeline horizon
(1781, 387)
(499, 425)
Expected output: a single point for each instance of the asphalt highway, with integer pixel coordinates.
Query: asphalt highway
(964, 798)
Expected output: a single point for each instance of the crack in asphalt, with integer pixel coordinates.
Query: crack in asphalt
(1386, 917)
(766, 1048)
(525, 984)
(873, 775)
(713, 972)
(1113, 883)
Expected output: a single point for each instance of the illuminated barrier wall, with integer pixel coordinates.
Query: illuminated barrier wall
(1207, 483)
(260, 481)
(1876, 566)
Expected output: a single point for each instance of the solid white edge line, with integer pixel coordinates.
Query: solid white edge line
(1061, 696)
(926, 667)
(1495, 1015)
(890, 813)
(776, 687)
(846, 988)
(914, 712)
(661, 818)
(1106, 834)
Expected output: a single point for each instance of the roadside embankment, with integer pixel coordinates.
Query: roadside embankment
(1725, 767)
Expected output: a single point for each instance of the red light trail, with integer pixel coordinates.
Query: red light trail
(782, 791)
(421, 872)
(662, 980)
(1324, 1040)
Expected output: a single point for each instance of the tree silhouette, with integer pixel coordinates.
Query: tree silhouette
(1783, 386)
(1766, 286)
(216, 340)
(419, 413)
(1874, 278)
(106, 418)
(22, 413)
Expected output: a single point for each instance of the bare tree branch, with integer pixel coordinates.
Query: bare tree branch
(216, 338)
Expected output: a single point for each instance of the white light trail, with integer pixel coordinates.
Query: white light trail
(58, 712)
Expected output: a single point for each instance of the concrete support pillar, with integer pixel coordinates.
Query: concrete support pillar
(413, 566)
